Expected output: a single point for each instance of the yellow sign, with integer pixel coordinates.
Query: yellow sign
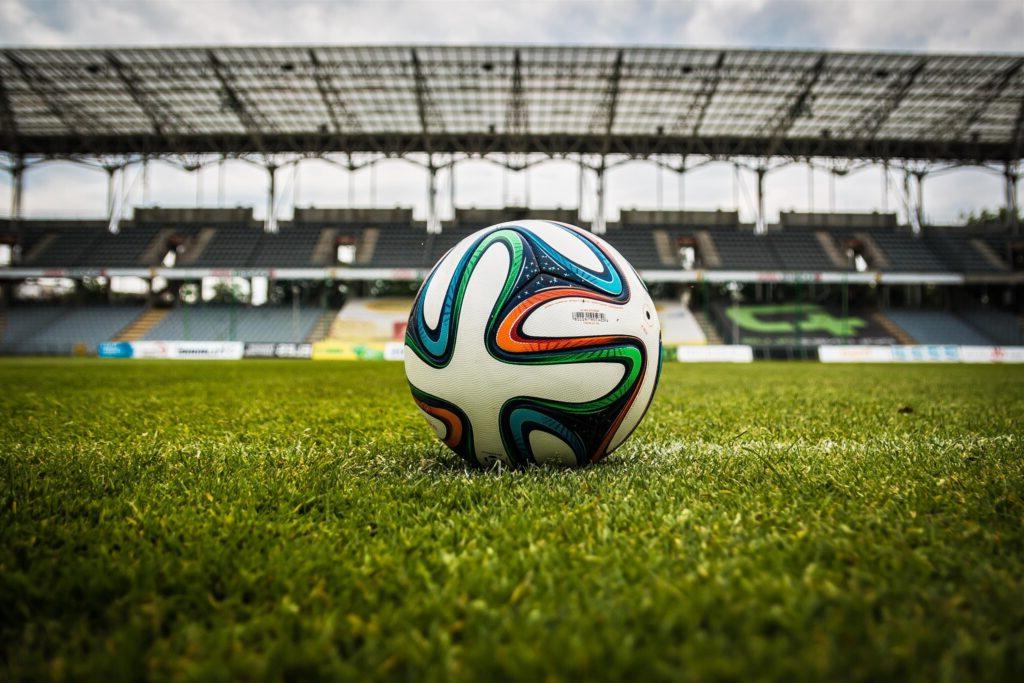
(334, 349)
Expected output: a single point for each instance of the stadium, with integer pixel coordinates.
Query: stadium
(828, 483)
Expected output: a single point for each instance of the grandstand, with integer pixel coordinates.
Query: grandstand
(909, 281)
(230, 243)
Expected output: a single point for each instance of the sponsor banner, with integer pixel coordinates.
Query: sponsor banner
(865, 353)
(921, 278)
(192, 350)
(715, 353)
(926, 353)
(992, 354)
(786, 276)
(394, 351)
(923, 353)
(336, 349)
(277, 350)
(114, 350)
(798, 324)
(333, 349)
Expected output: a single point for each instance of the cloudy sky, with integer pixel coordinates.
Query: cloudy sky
(931, 26)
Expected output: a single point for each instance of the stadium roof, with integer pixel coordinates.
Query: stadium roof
(477, 99)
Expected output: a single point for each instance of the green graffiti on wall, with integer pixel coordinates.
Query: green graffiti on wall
(792, 318)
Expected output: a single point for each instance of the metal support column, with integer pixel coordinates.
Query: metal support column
(17, 186)
(111, 170)
(1012, 210)
(920, 200)
(760, 226)
(270, 225)
(682, 187)
(433, 224)
(220, 182)
(599, 219)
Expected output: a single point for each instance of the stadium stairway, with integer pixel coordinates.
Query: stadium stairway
(324, 251)
(709, 330)
(828, 245)
(898, 333)
(876, 257)
(986, 250)
(366, 246)
(39, 247)
(668, 257)
(137, 328)
(708, 250)
(322, 326)
(197, 246)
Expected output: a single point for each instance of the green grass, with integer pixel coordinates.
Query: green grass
(285, 519)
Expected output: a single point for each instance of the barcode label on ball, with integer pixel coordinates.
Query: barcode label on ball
(589, 317)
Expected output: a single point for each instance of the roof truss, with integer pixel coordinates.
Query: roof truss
(530, 99)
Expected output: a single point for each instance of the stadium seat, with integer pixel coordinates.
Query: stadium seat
(908, 253)
(216, 322)
(1001, 327)
(799, 251)
(231, 247)
(744, 251)
(637, 244)
(58, 329)
(960, 254)
(400, 246)
(937, 327)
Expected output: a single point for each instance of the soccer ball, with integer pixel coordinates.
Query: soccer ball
(533, 342)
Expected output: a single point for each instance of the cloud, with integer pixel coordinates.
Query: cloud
(931, 25)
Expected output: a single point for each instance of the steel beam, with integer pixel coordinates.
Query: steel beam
(699, 106)
(961, 122)
(342, 119)
(161, 120)
(871, 120)
(517, 122)
(1017, 146)
(252, 121)
(605, 119)
(43, 87)
(399, 144)
(783, 121)
(8, 123)
(424, 106)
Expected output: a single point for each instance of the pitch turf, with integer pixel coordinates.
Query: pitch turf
(289, 519)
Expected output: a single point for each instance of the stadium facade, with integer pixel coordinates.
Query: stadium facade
(516, 106)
